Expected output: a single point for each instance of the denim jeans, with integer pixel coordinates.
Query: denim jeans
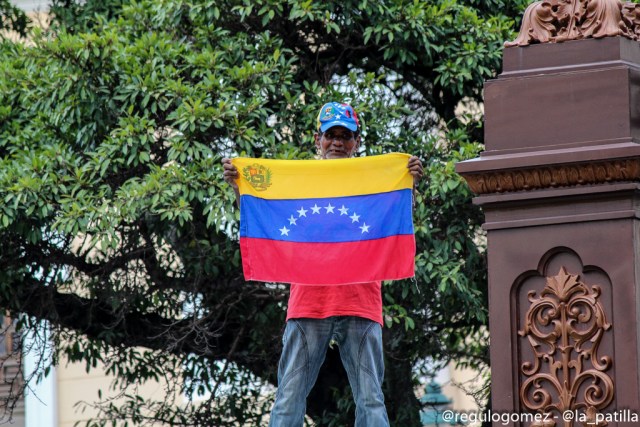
(305, 345)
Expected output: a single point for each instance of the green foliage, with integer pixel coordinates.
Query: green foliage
(13, 18)
(83, 16)
(120, 232)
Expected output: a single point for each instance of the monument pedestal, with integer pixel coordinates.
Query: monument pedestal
(559, 184)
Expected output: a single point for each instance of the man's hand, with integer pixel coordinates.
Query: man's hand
(230, 175)
(415, 169)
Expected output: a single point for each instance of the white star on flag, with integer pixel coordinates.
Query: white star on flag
(302, 212)
(329, 208)
(355, 218)
(365, 227)
(343, 210)
(284, 231)
(315, 209)
(292, 220)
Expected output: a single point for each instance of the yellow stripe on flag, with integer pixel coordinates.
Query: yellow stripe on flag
(297, 179)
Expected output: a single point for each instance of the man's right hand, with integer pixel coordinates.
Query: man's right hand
(230, 174)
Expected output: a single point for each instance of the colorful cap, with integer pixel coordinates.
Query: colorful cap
(337, 114)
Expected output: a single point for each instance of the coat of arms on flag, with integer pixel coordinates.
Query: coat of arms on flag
(258, 176)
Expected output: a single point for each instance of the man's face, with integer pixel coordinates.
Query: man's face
(337, 143)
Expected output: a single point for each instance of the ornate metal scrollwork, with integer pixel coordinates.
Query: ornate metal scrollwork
(561, 20)
(565, 326)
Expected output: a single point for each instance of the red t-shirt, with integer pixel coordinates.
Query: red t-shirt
(322, 301)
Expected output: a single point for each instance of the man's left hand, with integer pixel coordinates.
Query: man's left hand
(415, 169)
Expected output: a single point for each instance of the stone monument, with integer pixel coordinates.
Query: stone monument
(559, 183)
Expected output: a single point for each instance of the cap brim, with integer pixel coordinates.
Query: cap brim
(351, 126)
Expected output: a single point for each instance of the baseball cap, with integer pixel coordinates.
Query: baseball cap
(337, 114)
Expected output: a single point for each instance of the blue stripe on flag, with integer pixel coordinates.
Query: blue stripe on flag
(327, 220)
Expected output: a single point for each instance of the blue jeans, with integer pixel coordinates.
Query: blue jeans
(305, 345)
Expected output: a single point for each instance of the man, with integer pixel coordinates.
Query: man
(349, 315)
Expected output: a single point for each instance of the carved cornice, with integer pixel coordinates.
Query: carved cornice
(553, 21)
(553, 176)
(564, 327)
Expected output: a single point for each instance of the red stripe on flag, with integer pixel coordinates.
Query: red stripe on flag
(389, 258)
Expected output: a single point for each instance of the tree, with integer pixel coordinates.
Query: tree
(13, 18)
(120, 234)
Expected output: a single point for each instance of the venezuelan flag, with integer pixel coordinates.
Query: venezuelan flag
(326, 222)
